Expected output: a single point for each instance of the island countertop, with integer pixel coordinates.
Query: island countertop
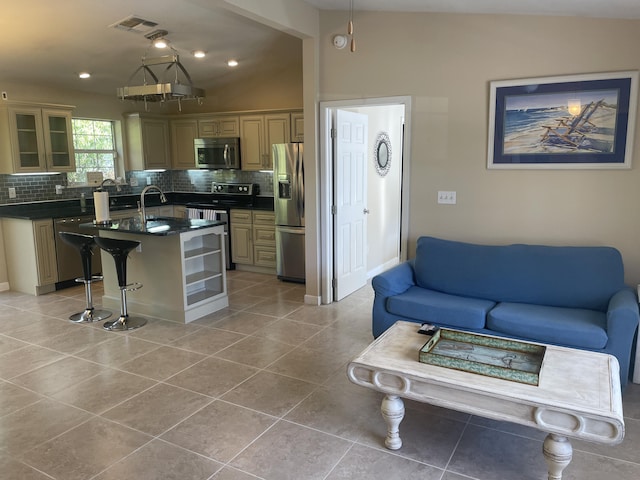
(155, 226)
(179, 262)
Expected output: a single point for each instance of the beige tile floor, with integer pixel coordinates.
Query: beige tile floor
(255, 391)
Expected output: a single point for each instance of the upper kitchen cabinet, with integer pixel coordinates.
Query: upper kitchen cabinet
(297, 127)
(257, 134)
(183, 133)
(36, 138)
(219, 126)
(147, 142)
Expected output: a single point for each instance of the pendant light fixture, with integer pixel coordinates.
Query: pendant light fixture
(169, 82)
(350, 27)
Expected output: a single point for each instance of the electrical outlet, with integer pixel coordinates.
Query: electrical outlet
(148, 180)
(447, 197)
(12, 192)
(133, 181)
(5, 96)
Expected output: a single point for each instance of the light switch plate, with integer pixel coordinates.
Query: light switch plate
(447, 197)
(12, 192)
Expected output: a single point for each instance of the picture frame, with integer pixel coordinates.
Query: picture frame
(573, 121)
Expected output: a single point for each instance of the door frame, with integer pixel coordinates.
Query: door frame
(325, 192)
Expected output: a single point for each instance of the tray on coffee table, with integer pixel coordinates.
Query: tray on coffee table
(490, 356)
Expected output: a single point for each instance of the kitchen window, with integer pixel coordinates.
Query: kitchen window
(95, 149)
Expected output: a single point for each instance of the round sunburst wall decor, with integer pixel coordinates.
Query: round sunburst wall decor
(382, 154)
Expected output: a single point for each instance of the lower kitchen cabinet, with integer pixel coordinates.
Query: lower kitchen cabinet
(241, 237)
(264, 239)
(179, 211)
(253, 240)
(30, 252)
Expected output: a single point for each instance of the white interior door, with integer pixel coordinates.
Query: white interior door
(350, 196)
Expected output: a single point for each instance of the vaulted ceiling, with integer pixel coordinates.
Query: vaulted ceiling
(51, 42)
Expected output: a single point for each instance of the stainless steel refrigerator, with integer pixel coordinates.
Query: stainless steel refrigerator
(288, 200)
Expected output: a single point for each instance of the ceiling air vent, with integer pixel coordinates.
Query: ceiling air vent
(135, 24)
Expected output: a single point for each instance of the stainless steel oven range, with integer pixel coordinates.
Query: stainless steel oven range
(224, 197)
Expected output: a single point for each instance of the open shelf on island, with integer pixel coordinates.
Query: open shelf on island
(201, 276)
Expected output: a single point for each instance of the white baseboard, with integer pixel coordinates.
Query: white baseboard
(4, 286)
(312, 300)
(383, 267)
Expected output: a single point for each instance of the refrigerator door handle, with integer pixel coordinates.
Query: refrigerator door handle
(300, 182)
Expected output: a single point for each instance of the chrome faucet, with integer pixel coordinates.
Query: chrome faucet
(110, 182)
(146, 189)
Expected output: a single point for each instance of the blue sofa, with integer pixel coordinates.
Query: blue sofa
(569, 296)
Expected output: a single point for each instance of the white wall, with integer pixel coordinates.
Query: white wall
(383, 193)
(445, 62)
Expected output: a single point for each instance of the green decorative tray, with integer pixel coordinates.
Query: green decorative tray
(490, 356)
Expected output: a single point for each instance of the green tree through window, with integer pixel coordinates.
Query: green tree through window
(95, 149)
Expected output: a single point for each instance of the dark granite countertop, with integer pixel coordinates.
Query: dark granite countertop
(72, 208)
(154, 226)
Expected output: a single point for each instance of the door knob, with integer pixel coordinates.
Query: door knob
(366, 211)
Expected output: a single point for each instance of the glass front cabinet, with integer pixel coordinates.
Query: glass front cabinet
(40, 138)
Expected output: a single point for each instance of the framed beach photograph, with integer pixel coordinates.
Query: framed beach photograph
(573, 121)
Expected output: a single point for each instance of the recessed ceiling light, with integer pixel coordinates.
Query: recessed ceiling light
(199, 54)
(84, 74)
(160, 43)
(232, 63)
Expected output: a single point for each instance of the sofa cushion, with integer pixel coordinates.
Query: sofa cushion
(576, 277)
(565, 326)
(441, 308)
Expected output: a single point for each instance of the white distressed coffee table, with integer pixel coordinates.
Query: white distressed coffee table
(578, 395)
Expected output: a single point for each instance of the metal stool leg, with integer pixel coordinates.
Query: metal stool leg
(90, 314)
(84, 244)
(124, 321)
(119, 250)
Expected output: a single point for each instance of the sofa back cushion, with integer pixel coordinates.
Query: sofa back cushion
(575, 277)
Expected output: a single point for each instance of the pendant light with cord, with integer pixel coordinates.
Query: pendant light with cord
(350, 27)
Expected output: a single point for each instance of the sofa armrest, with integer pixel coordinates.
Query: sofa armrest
(622, 313)
(394, 281)
(622, 323)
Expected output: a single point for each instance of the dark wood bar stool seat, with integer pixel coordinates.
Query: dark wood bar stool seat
(85, 244)
(119, 250)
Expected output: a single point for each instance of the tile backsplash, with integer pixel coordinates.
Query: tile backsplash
(38, 188)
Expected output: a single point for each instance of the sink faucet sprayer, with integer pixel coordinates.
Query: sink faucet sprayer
(163, 199)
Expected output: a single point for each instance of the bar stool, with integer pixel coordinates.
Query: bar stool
(84, 244)
(119, 250)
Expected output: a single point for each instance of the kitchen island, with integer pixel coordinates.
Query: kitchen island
(180, 264)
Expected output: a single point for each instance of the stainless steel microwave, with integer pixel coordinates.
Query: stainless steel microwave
(215, 153)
